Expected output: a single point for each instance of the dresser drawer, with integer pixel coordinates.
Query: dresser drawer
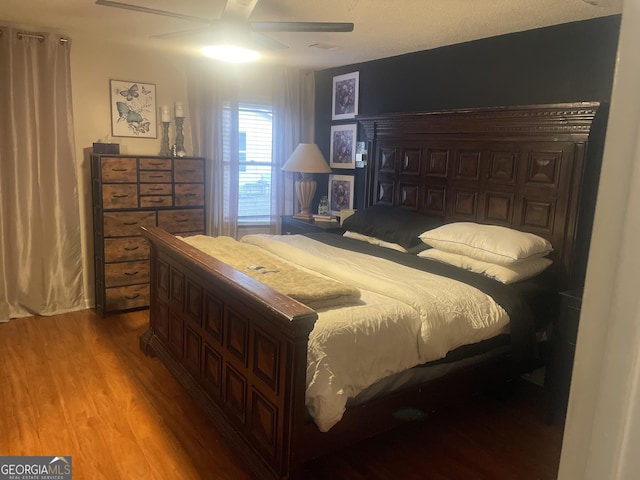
(155, 164)
(155, 177)
(156, 201)
(126, 273)
(127, 224)
(155, 189)
(189, 195)
(125, 249)
(123, 298)
(120, 196)
(189, 171)
(119, 170)
(177, 221)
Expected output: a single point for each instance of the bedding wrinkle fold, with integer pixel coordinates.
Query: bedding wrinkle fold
(405, 317)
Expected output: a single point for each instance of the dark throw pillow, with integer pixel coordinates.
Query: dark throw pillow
(392, 224)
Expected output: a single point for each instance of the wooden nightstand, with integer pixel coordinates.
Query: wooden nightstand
(563, 348)
(293, 226)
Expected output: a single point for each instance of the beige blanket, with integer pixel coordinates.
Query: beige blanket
(314, 290)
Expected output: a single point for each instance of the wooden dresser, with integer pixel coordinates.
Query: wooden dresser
(130, 191)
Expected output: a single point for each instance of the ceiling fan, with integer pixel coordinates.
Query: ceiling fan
(235, 17)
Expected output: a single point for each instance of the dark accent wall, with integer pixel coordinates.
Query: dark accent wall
(563, 63)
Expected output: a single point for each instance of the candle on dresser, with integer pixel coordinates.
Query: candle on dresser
(164, 113)
(179, 110)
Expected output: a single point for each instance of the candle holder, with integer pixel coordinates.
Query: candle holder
(164, 145)
(180, 151)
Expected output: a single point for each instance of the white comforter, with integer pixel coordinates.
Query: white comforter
(406, 317)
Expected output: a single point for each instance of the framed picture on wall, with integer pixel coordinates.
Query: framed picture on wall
(340, 193)
(343, 146)
(133, 109)
(345, 96)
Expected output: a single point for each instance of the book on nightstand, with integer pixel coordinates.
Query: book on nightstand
(324, 218)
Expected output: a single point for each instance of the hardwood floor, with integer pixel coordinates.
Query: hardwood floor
(78, 385)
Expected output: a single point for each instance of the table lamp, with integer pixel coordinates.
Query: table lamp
(306, 160)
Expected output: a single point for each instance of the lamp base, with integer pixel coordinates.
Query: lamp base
(305, 190)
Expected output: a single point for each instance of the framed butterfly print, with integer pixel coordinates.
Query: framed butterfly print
(133, 109)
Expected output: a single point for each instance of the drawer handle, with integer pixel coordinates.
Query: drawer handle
(122, 195)
(156, 164)
(131, 274)
(156, 201)
(156, 189)
(131, 249)
(119, 169)
(130, 223)
(156, 176)
(182, 220)
(132, 297)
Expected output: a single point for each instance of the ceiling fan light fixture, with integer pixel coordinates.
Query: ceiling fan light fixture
(231, 53)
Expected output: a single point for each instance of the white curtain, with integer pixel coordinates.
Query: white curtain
(294, 114)
(215, 91)
(40, 250)
(213, 103)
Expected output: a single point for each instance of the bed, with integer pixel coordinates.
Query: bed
(242, 349)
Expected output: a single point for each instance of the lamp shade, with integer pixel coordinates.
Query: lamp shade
(306, 158)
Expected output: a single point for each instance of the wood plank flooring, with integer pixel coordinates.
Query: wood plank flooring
(77, 384)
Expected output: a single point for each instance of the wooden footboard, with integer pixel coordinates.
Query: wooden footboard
(237, 346)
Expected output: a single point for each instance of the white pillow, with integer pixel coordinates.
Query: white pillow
(489, 243)
(503, 273)
(374, 241)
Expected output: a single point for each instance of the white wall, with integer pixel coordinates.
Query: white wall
(93, 64)
(602, 433)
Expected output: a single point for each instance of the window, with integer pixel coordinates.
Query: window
(254, 181)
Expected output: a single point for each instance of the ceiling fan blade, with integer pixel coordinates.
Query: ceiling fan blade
(224, 32)
(239, 9)
(301, 27)
(136, 8)
(267, 42)
(183, 33)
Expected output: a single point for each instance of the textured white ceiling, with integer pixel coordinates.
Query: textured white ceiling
(383, 28)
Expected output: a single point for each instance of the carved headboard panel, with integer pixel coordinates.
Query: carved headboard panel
(519, 167)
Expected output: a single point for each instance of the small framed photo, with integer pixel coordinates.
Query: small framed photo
(345, 96)
(340, 193)
(133, 109)
(343, 146)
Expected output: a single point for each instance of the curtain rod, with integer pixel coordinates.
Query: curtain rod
(40, 37)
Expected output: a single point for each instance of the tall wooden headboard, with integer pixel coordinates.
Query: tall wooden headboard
(519, 167)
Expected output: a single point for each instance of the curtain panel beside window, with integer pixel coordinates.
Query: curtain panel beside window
(40, 246)
(218, 95)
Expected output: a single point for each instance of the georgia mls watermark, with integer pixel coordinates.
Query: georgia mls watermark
(35, 468)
